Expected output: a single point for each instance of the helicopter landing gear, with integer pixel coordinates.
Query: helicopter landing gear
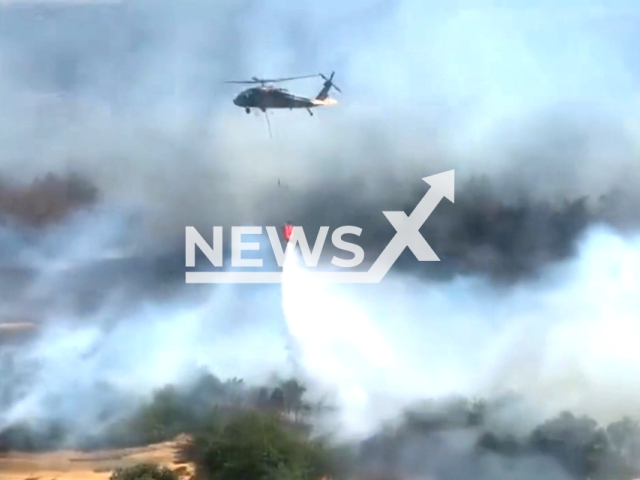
(248, 110)
(310, 112)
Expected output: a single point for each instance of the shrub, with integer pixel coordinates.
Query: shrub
(258, 446)
(145, 471)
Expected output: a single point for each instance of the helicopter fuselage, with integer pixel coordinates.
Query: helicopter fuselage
(265, 98)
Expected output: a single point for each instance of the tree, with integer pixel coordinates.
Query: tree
(167, 415)
(477, 412)
(578, 443)
(293, 393)
(258, 446)
(625, 437)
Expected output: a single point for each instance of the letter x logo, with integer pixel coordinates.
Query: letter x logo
(408, 227)
(408, 234)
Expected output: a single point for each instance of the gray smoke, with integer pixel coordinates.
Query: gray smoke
(534, 109)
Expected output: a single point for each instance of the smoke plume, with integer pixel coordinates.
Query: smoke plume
(535, 109)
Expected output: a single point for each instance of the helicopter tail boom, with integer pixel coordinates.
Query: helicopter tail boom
(326, 102)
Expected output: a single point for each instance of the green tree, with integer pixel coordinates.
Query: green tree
(258, 446)
(166, 416)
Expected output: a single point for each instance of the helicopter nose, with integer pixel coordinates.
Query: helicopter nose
(240, 101)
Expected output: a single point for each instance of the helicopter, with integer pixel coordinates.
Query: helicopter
(267, 96)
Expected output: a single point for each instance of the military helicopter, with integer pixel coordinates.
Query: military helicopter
(267, 96)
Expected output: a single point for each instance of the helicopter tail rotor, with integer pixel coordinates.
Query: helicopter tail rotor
(329, 82)
(264, 81)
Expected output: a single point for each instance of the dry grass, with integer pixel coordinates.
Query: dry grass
(70, 465)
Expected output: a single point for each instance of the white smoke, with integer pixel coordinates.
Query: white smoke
(126, 341)
(566, 341)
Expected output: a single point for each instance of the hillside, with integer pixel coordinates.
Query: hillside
(70, 465)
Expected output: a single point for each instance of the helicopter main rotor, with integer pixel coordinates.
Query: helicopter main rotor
(264, 81)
